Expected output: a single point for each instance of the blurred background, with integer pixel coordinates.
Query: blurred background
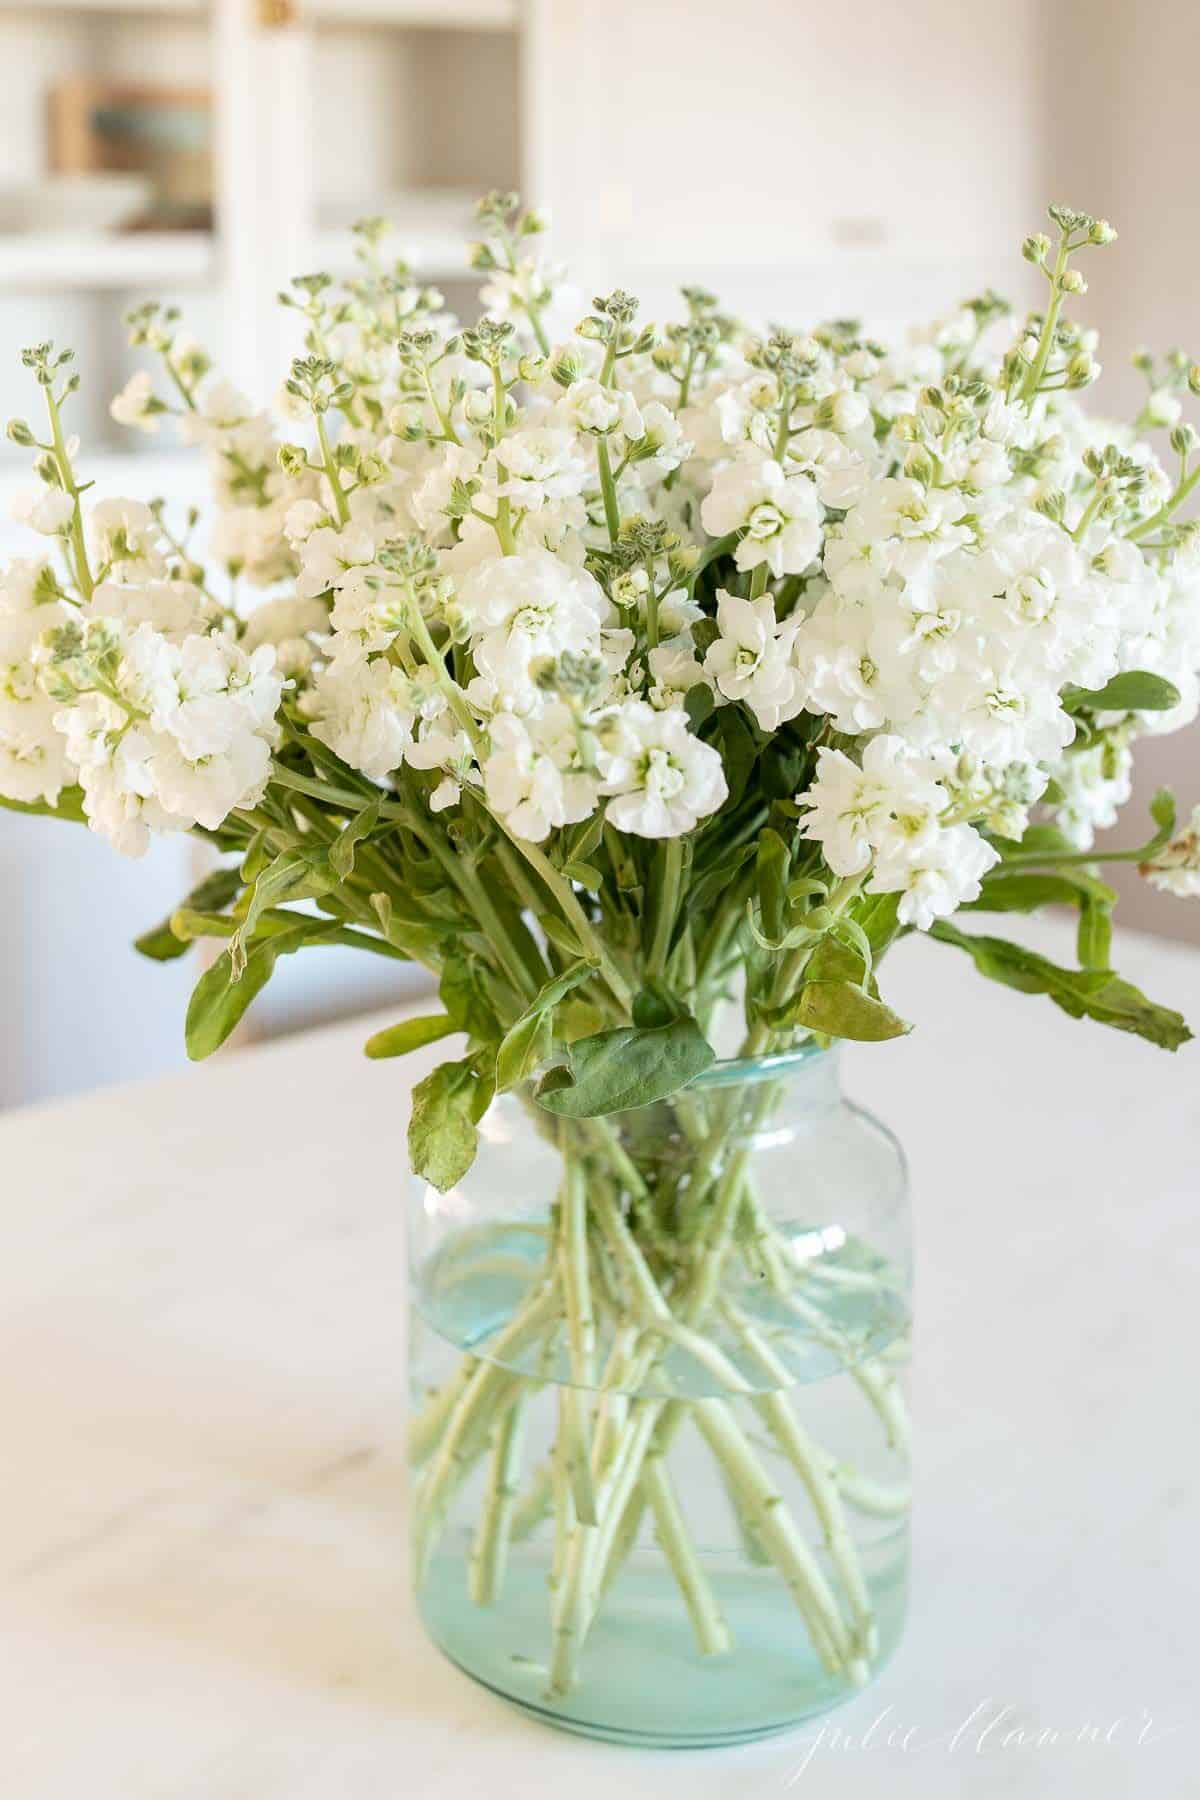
(882, 161)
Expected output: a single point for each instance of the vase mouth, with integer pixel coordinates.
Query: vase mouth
(775, 1065)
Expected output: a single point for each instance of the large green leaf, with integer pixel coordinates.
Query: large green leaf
(344, 847)
(841, 1009)
(1083, 993)
(211, 895)
(446, 1108)
(219, 999)
(615, 1071)
(1137, 690)
(69, 806)
(463, 992)
(290, 877)
(409, 1034)
(516, 1055)
(1015, 890)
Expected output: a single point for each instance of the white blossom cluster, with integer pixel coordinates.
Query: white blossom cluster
(535, 561)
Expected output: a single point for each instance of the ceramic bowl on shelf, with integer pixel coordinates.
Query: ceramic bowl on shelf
(81, 203)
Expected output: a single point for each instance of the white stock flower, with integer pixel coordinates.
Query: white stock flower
(938, 879)
(779, 515)
(442, 745)
(177, 609)
(127, 541)
(535, 774)
(1093, 782)
(673, 671)
(589, 407)
(33, 764)
(663, 779)
(541, 464)
(45, 509)
(361, 711)
(136, 405)
(751, 660)
(1175, 869)
(890, 805)
(527, 607)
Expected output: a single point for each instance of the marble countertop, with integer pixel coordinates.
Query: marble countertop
(201, 1348)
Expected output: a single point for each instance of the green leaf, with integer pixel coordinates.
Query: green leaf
(69, 806)
(841, 1009)
(1038, 840)
(615, 1071)
(1094, 939)
(213, 894)
(1162, 811)
(289, 877)
(1137, 690)
(446, 1107)
(738, 748)
(773, 862)
(410, 1034)
(655, 1005)
(580, 840)
(1083, 993)
(219, 999)
(516, 1055)
(344, 847)
(560, 934)
(1011, 890)
(421, 942)
(715, 881)
(585, 875)
(463, 992)
(699, 704)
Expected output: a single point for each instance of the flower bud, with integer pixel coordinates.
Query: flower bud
(293, 460)
(1072, 282)
(1163, 407)
(918, 465)
(19, 433)
(1184, 439)
(1102, 232)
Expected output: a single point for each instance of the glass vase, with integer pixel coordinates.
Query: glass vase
(659, 1438)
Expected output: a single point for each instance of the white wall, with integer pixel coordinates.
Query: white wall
(880, 159)
(1122, 139)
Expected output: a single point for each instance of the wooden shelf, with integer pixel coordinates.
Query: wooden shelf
(439, 15)
(75, 260)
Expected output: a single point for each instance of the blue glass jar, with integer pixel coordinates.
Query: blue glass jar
(660, 1435)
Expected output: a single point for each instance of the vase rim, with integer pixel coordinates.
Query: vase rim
(773, 1065)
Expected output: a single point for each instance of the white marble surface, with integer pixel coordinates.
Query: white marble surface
(201, 1521)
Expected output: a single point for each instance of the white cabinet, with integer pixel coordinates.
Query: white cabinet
(319, 114)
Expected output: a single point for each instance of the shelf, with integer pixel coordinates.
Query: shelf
(434, 15)
(440, 15)
(430, 228)
(75, 260)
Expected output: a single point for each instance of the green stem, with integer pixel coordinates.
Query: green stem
(608, 489)
(1033, 379)
(83, 573)
(489, 1553)
(1164, 512)
(668, 907)
(340, 504)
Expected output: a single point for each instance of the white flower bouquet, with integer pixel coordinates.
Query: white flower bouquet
(627, 678)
